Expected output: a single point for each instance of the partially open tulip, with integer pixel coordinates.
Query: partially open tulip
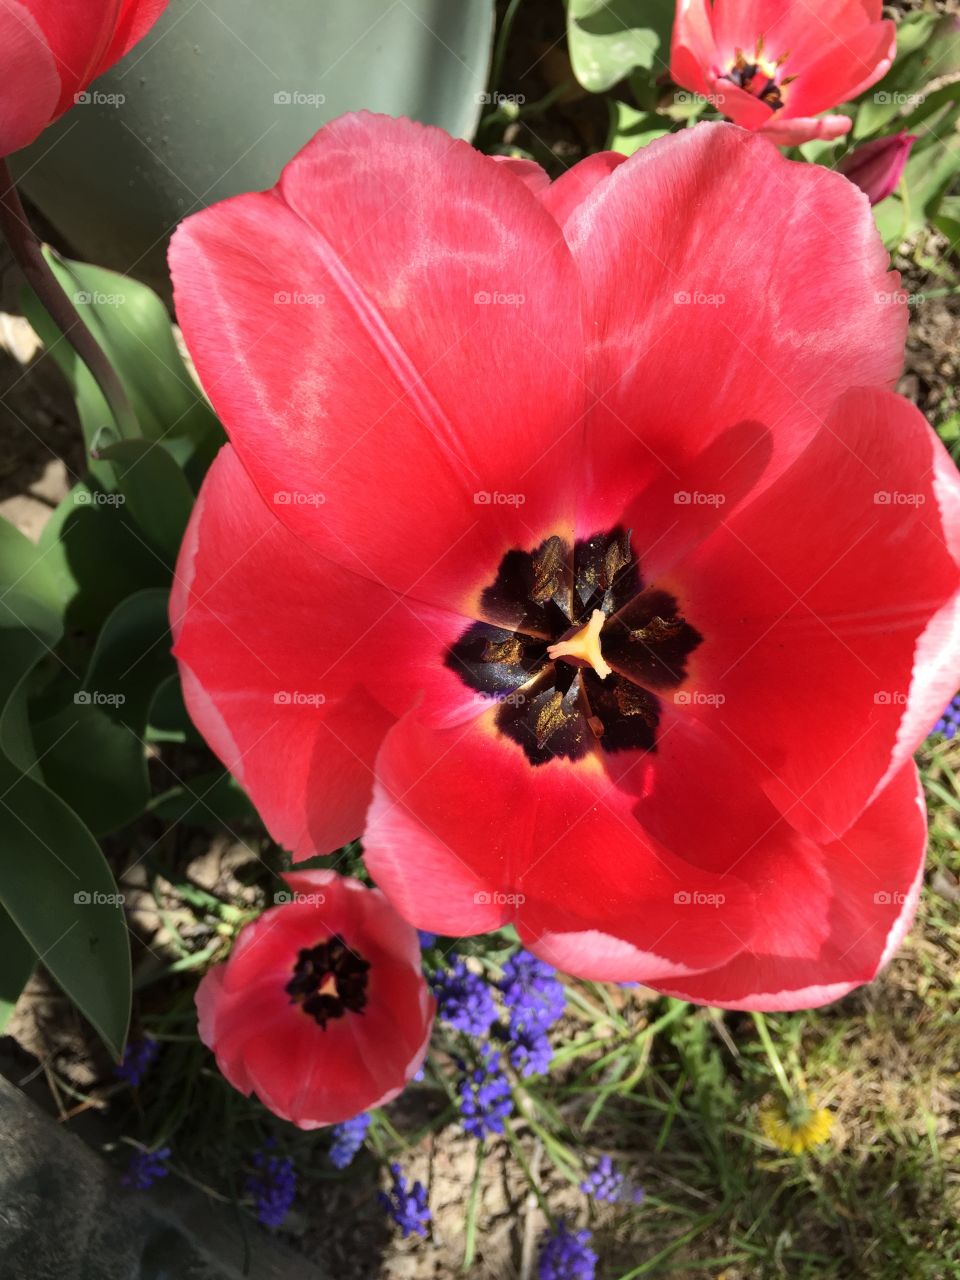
(876, 167)
(321, 1009)
(774, 65)
(572, 548)
(52, 50)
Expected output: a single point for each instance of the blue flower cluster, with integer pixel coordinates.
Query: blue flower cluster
(949, 722)
(427, 939)
(348, 1139)
(464, 999)
(566, 1255)
(407, 1206)
(485, 1099)
(273, 1186)
(535, 1000)
(138, 1058)
(146, 1168)
(609, 1185)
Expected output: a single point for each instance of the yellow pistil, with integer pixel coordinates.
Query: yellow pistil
(795, 1126)
(585, 645)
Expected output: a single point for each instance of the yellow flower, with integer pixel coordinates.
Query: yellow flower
(795, 1125)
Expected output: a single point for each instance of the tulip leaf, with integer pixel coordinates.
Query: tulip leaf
(156, 492)
(132, 326)
(210, 796)
(902, 84)
(55, 885)
(17, 964)
(630, 129)
(96, 557)
(609, 39)
(92, 750)
(169, 720)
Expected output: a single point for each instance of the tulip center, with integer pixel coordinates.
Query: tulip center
(329, 980)
(574, 648)
(759, 76)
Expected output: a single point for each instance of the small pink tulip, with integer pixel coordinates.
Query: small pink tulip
(876, 167)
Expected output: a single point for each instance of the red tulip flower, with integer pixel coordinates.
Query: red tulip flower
(876, 167)
(774, 65)
(572, 549)
(52, 50)
(321, 1009)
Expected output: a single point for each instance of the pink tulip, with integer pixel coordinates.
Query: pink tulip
(52, 50)
(876, 167)
(773, 66)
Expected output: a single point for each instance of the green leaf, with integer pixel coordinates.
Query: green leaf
(92, 751)
(210, 797)
(901, 85)
(17, 962)
(155, 489)
(96, 557)
(132, 326)
(55, 885)
(630, 129)
(609, 39)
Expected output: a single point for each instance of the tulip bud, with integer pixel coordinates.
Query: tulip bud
(876, 167)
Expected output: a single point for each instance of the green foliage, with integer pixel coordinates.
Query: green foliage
(85, 648)
(610, 39)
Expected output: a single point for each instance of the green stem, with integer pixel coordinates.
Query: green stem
(760, 1023)
(496, 66)
(28, 253)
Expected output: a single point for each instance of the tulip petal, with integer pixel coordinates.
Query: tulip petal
(512, 842)
(873, 874)
(31, 85)
(822, 648)
(423, 368)
(695, 332)
(294, 668)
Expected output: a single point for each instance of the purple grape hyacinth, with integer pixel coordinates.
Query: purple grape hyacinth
(406, 1206)
(566, 1255)
(949, 722)
(607, 1184)
(273, 1186)
(348, 1138)
(146, 1168)
(485, 1098)
(464, 999)
(138, 1058)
